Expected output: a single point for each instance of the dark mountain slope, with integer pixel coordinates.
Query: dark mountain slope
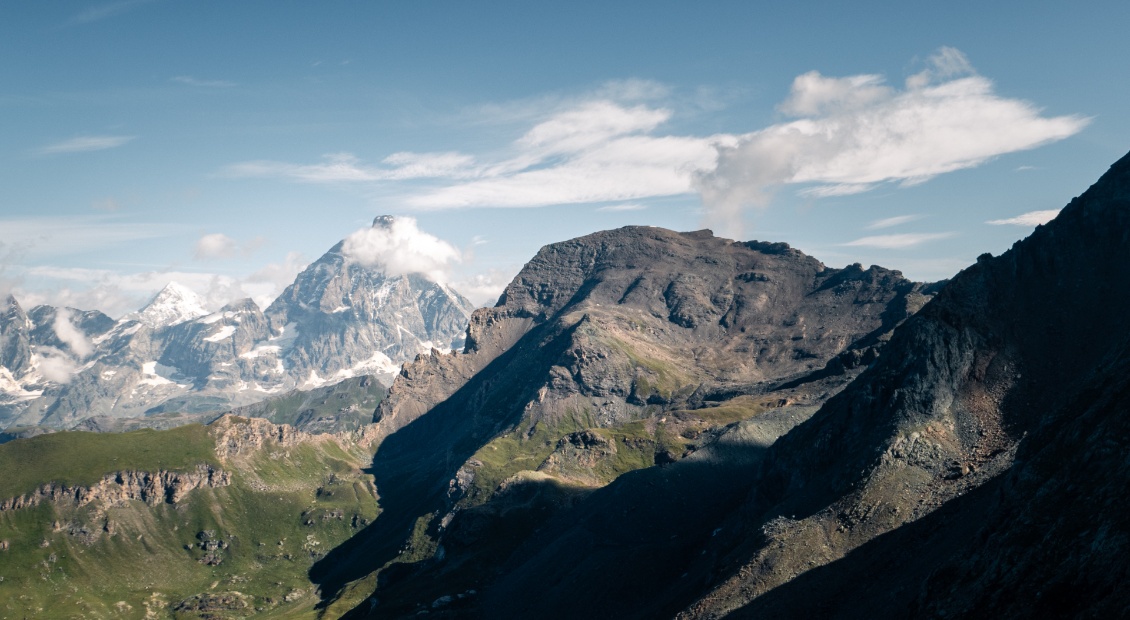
(1014, 375)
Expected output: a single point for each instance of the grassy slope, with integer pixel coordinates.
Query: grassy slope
(284, 508)
(76, 458)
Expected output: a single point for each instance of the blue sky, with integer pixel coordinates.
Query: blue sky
(225, 145)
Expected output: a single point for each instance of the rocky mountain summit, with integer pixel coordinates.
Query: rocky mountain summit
(608, 353)
(339, 319)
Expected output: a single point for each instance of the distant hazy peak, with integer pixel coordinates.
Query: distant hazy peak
(174, 304)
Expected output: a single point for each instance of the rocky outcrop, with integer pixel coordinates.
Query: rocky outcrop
(117, 488)
(236, 436)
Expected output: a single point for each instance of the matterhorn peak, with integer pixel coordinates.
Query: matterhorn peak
(384, 221)
(174, 304)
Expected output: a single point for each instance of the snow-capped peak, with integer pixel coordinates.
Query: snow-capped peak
(174, 304)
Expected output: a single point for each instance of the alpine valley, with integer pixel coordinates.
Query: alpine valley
(648, 424)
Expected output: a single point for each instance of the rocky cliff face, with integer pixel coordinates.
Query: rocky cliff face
(609, 353)
(120, 487)
(338, 320)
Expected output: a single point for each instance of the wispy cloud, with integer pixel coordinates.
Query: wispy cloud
(1031, 218)
(106, 204)
(897, 242)
(594, 151)
(82, 144)
(855, 133)
(41, 237)
(850, 135)
(102, 11)
(891, 222)
(631, 206)
(117, 293)
(191, 81)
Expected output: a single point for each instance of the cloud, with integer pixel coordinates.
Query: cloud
(856, 133)
(630, 206)
(106, 204)
(102, 11)
(117, 293)
(890, 222)
(83, 144)
(43, 237)
(70, 335)
(397, 246)
(346, 167)
(215, 246)
(1031, 218)
(54, 365)
(483, 289)
(846, 135)
(191, 81)
(590, 151)
(896, 242)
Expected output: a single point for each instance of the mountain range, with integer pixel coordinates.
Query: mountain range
(647, 424)
(338, 319)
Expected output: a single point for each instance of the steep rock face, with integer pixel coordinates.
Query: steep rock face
(1000, 407)
(639, 336)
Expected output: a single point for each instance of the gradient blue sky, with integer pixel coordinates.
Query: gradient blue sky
(224, 145)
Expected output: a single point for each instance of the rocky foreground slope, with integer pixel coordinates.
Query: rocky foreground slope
(977, 468)
(607, 354)
(220, 521)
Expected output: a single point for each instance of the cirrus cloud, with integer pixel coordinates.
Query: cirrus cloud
(1031, 218)
(83, 144)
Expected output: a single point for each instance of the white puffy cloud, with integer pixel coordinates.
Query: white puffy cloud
(70, 335)
(483, 289)
(82, 144)
(856, 133)
(398, 247)
(1031, 218)
(215, 245)
(899, 241)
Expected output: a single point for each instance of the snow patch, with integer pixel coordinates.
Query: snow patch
(225, 332)
(261, 350)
